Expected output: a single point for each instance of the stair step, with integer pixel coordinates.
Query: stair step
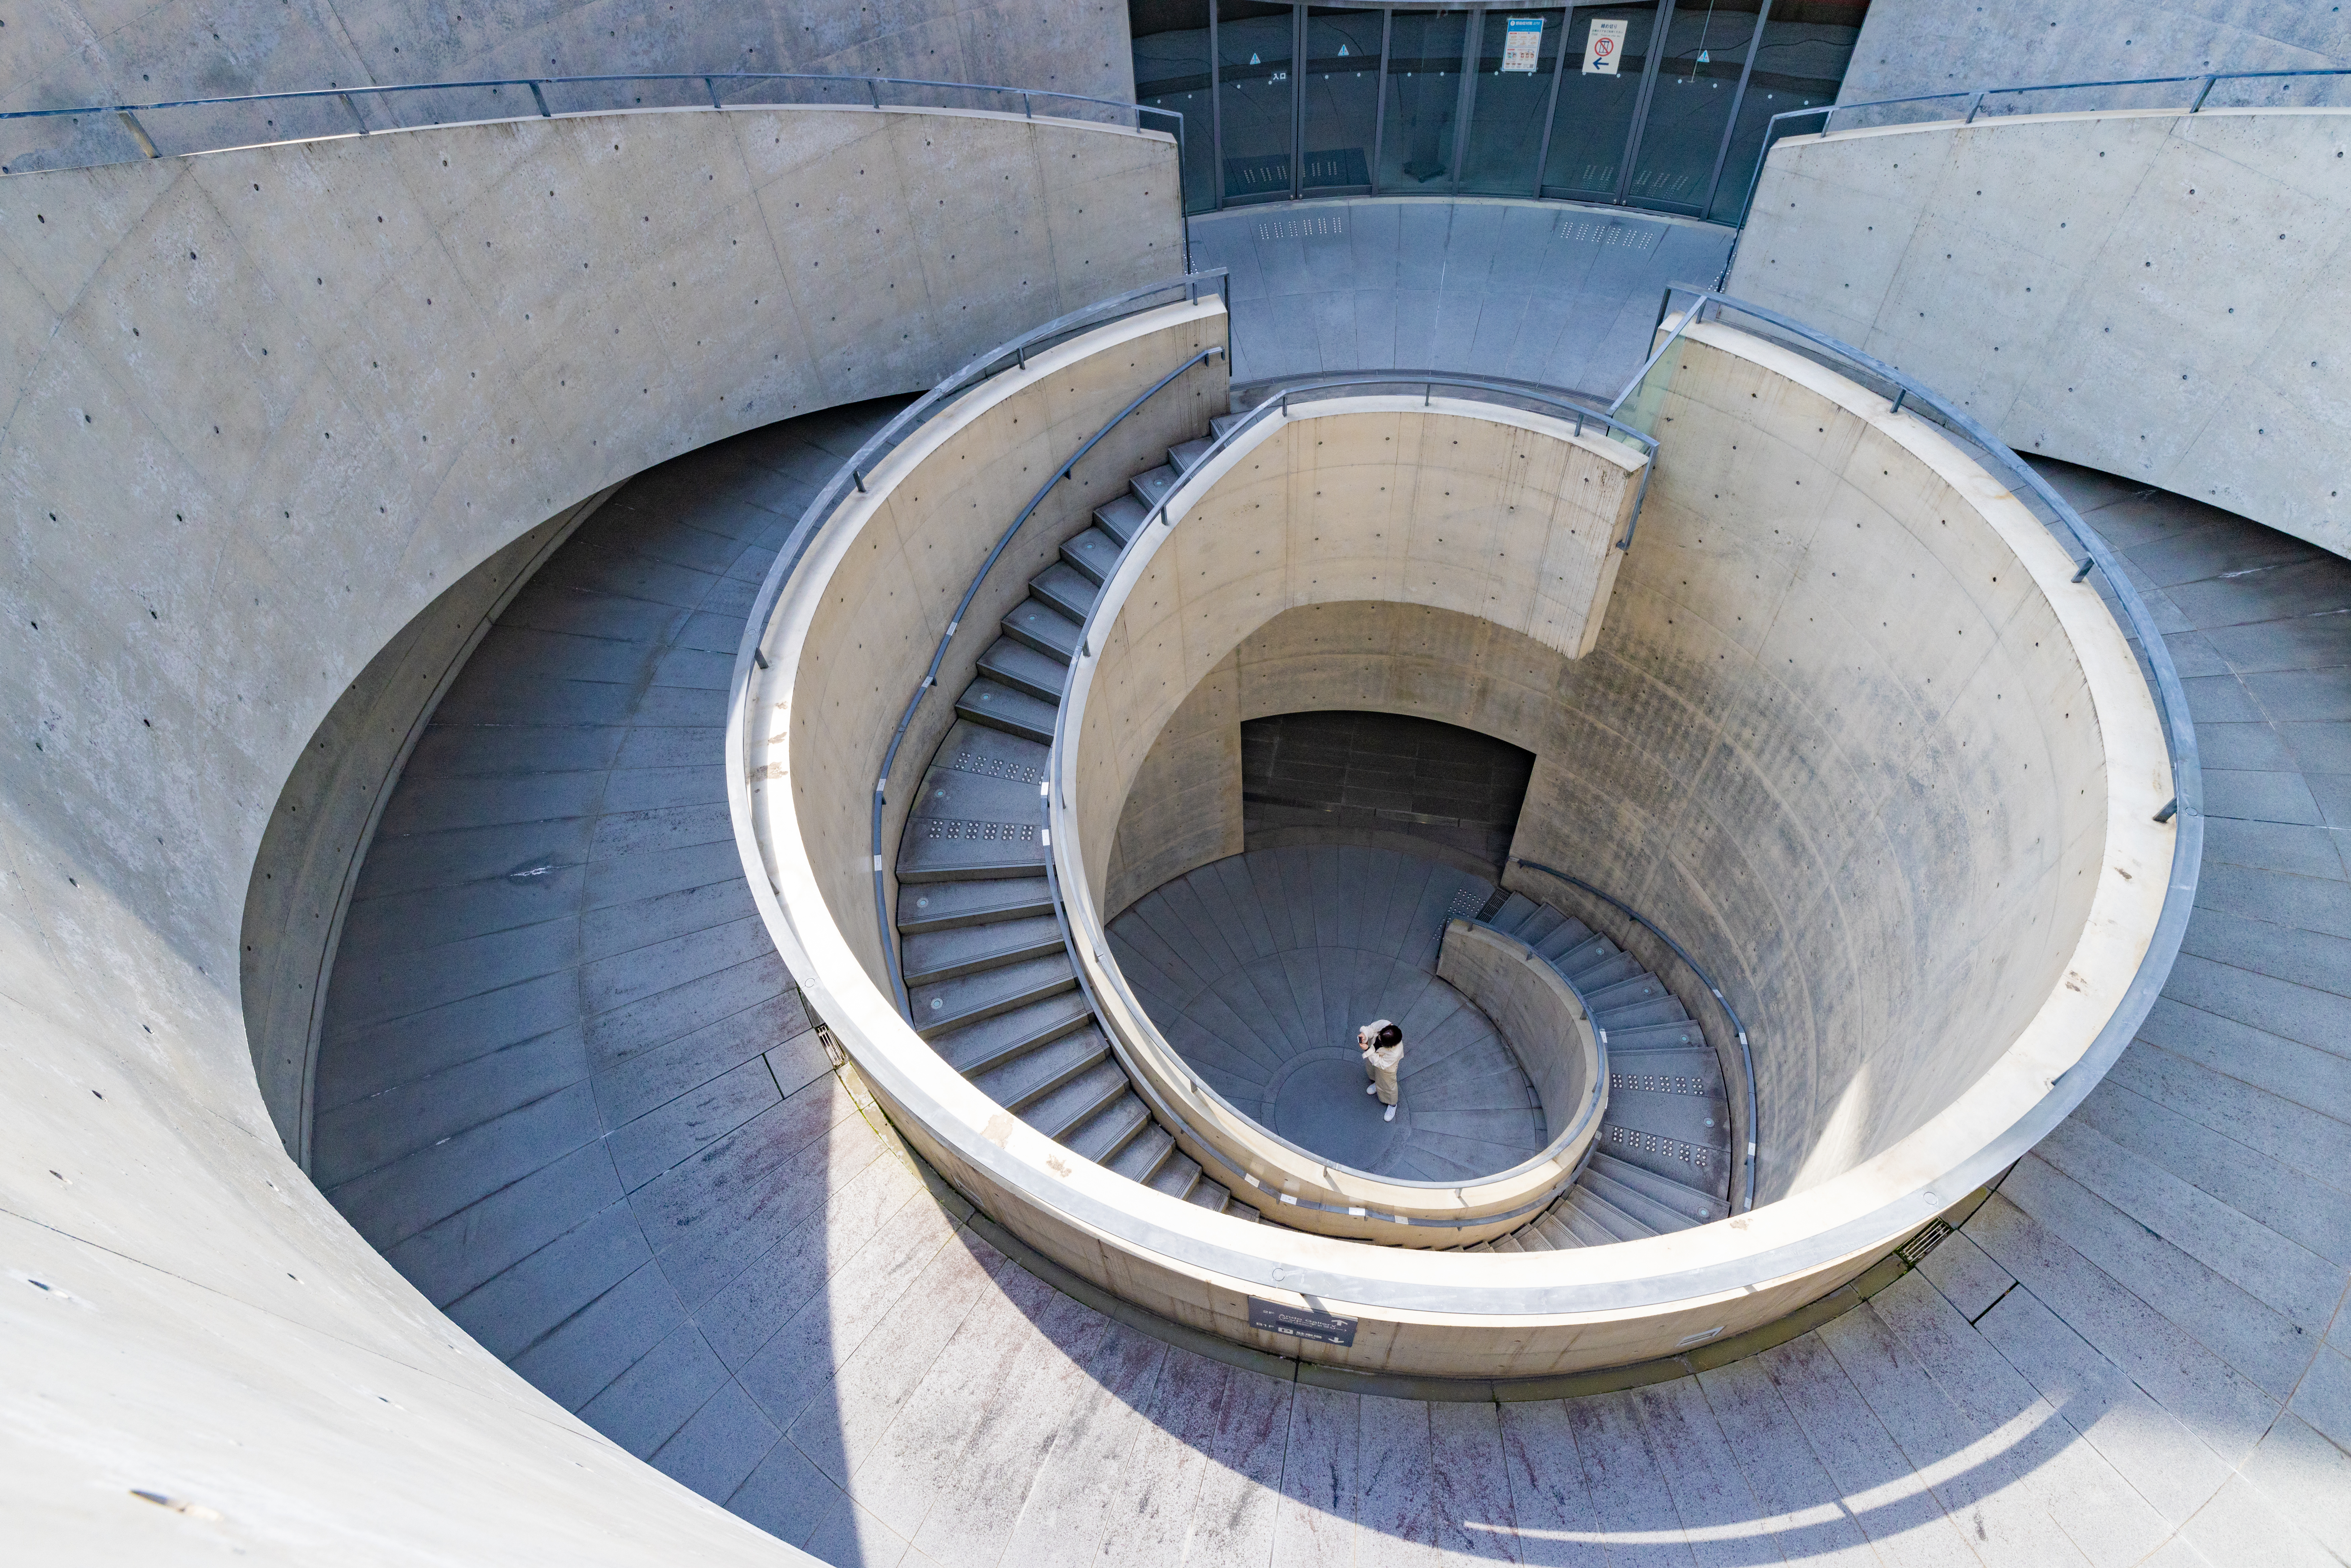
(1664, 1190)
(1641, 987)
(1631, 1201)
(1663, 1010)
(1187, 456)
(1023, 668)
(1176, 1175)
(1600, 974)
(944, 906)
(1240, 1211)
(1101, 1139)
(945, 848)
(1094, 553)
(1541, 925)
(1074, 1102)
(999, 706)
(1121, 518)
(1209, 1196)
(970, 949)
(1570, 934)
(1577, 1224)
(1609, 1218)
(1139, 1159)
(1668, 1133)
(949, 795)
(1513, 1243)
(991, 1042)
(1152, 487)
(990, 753)
(1553, 1230)
(1026, 1079)
(1584, 954)
(1043, 628)
(1688, 1070)
(952, 1004)
(1066, 588)
(1516, 911)
(1660, 1037)
(1223, 422)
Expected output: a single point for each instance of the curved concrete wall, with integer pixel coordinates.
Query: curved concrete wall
(1883, 838)
(64, 53)
(252, 432)
(2154, 294)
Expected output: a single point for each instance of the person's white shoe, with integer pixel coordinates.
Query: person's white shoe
(1390, 1116)
(1370, 1088)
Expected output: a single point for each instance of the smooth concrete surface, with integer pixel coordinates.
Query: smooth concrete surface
(1261, 967)
(1928, 46)
(1561, 295)
(1538, 1017)
(242, 452)
(2134, 1352)
(2156, 295)
(64, 53)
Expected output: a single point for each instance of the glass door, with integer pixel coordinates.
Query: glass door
(1607, 51)
(1424, 100)
(1255, 111)
(1518, 67)
(1800, 62)
(1339, 92)
(1699, 71)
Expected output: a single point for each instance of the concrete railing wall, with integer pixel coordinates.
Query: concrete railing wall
(1540, 1018)
(262, 408)
(2157, 295)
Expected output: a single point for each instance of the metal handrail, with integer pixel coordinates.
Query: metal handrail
(1746, 1057)
(129, 112)
(2163, 675)
(1975, 99)
(1057, 789)
(938, 656)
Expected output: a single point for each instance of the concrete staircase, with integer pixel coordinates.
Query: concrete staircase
(991, 984)
(1663, 1159)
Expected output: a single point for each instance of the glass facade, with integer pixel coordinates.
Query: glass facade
(1651, 103)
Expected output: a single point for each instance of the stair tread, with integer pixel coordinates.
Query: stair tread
(1070, 1105)
(968, 999)
(1515, 911)
(1665, 1069)
(1120, 518)
(1000, 707)
(1066, 588)
(1578, 1224)
(1569, 935)
(1023, 668)
(1662, 1009)
(1672, 1036)
(924, 860)
(1223, 422)
(1154, 484)
(943, 906)
(1593, 977)
(1094, 553)
(1185, 456)
(971, 747)
(1042, 627)
(1109, 1130)
(975, 797)
(1207, 1195)
(979, 1046)
(1024, 1079)
(1678, 1196)
(1176, 1174)
(1609, 1218)
(968, 949)
(1540, 925)
(1658, 1216)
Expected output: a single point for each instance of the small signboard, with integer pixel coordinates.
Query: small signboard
(1521, 45)
(1602, 45)
(1302, 1322)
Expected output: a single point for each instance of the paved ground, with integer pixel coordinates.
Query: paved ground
(1529, 291)
(567, 1091)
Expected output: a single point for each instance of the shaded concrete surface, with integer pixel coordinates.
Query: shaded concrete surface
(2136, 1351)
(1260, 967)
(1348, 773)
(1561, 295)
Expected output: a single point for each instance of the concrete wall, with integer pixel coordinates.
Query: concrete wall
(1471, 508)
(2156, 295)
(63, 54)
(1832, 737)
(1539, 1018)
(263, 407)
(1930, 45)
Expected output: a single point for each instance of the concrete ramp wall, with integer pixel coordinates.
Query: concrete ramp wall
(262, 407)
(2157, 295)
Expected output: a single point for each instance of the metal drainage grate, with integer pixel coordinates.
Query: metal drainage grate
(1925, 1241)
(1319, 225)
(1608, 233)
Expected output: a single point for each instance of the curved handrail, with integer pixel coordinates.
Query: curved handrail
(2170, 696)
(1058, 801)
(938, 657)
(1975, 97)
(1746, 1058)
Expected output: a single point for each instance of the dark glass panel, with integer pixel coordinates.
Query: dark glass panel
(1254, 103)
(1506, 120)
(1424, 99)
(1171, 71)
(1690, 107)
(1342, 86)
(1799, 64)
(1595, 117)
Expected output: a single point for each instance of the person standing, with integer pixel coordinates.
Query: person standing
(1382, 1044)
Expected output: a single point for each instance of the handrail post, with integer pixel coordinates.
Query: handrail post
(1027, 108)
(1973, 104)
(354, 108)
(2202, 94)
(712, 84)
(873, 91)
(137, 132)
(540, 98)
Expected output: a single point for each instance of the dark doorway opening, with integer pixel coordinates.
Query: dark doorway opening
(1382, 779)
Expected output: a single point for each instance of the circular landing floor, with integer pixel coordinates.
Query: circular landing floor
(1260, 967)
(579, 1111)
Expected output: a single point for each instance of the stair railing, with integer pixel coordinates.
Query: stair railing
(1746, 1057)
